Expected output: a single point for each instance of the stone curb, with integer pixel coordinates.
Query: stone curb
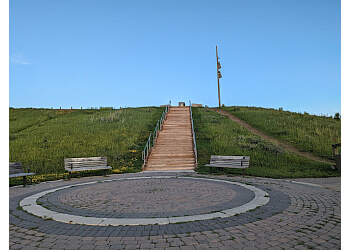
(29, 204)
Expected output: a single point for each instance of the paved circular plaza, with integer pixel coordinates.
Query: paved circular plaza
(175, 211)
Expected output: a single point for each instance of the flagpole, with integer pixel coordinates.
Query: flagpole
(217, 73)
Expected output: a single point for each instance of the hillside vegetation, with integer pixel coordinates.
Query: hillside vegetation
(309, 133)
(216, 134)
(42, 138)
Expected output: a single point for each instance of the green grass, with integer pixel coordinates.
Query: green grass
(21, 119)
(42, 138)
(216, 134)
(309, 133)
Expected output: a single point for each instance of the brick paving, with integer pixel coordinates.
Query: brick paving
(297, 215)
(145, 198)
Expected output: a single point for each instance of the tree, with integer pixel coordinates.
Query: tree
(337, 116)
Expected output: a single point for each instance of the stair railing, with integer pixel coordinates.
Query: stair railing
(194, 135)
(152, 139)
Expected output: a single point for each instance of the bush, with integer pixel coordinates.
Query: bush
(337, 116)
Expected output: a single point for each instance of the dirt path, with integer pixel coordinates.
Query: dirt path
(283, 144)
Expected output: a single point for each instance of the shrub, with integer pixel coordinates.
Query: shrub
(337, 116)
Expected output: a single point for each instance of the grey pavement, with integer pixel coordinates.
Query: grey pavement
(333, 183)
(300, 213)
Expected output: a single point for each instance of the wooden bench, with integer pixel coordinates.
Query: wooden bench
(17, 170)
(337, 157)
(85, 164)
(218, 161)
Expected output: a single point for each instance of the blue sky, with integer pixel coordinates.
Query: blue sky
(274, 53)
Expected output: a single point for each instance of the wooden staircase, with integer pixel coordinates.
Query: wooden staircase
(174, 148)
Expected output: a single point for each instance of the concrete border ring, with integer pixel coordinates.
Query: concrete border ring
(29, 204)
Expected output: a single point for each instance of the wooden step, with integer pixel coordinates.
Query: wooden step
(175, 135)
(174, 153)
(172, 147)
(172, 160)
(168, 165)
(171, 150)
(174, 164)
(164, 145)
(174, 144)
(183, 155)
(169, 168)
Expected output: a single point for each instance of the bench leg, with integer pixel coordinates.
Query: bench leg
(211, 170)
(69, 176)
(243, 172)
(24, 181)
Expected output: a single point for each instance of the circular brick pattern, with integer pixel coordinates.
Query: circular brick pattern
(32, 205)
(147, 198)
(277, 203)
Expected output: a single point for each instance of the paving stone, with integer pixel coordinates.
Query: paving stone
(47, 245)
(72, 246)
(202, 246)
(102, 247)
(61, 241)
(251, 248)
(28, 248)
(127, 247)
(215, 244)
(176, 243)
(146, 246)
(263, 246)
(187, 247)
(87, 247)
(59, 246)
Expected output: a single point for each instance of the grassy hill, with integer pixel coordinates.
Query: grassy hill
(309, 133)
(216, 134)
(42, 138)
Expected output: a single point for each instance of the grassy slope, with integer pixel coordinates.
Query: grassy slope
(42, 138)
(21, 119)
(310, 133)
(118, 134)
(218, 135)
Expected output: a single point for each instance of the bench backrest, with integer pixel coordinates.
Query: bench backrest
(70, 163)
(16, 168)
(229, 160)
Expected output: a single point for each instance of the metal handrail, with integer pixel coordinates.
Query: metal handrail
(194, 135)
(147, 147)
(150, 143)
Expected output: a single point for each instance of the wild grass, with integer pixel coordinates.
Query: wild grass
(309, 133)
(21, 119)
(216, 134)
(41, 139)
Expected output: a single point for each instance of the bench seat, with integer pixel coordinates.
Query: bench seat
(17, 170)
(219, 161)
(86, 164)
(20, 175)
(88, 168)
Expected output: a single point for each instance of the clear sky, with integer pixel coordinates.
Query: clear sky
(132, 53)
